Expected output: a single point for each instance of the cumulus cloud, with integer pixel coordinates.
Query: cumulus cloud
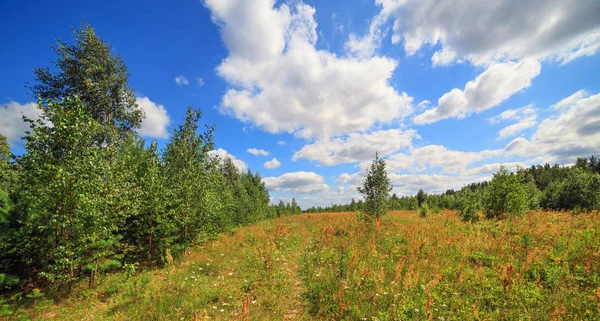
(353, 179)
(569, 101)
(157, 120)
(280, 82)
(200, 81)
(257, 152)
(485, 33)
(222, 154)
(181, 80)
(297, 182)
(525, 117)
(356, 147)
(366, 46)
(274, 163)
(573, 132)
(489, 89)
(281, 143)
(12, 125)
(436, 157)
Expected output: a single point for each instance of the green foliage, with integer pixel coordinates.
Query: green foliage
(469, 205)
(188, 168)
(89, 196)
(376, 188)
(580, 189)
(421, 198)
(424, 210)
(505, 195)
(87, 69)
(64, 194)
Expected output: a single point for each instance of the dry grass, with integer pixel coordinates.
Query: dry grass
(544, 266)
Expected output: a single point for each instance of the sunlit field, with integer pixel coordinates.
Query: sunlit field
(544, 266)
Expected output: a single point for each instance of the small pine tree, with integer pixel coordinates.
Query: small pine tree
(424, 210)
(376, 189)
(421, 197)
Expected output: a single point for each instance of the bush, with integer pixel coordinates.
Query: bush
(424, 210)
(468, 206)
(505, 195)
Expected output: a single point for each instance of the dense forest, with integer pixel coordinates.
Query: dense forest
(575, 188)
(89, 195)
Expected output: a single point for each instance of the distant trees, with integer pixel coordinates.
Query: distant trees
(574, 188)
(376, 188)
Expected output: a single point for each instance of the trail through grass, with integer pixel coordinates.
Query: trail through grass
(544, 266)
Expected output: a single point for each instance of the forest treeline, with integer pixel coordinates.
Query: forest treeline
(551, 187)
(89, 195)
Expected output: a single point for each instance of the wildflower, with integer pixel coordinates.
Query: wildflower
(230, 274)
(253, 301)
(214, 307)
(417, 310)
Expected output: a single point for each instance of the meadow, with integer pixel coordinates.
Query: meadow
(542, 266)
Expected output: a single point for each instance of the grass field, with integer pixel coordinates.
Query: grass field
(544, 266)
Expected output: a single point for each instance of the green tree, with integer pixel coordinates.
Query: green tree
(87, 69)
(187, 167)
(421, 198)
(7, 178)
(376, 189)
(505, 195)
(63, 197)
(579, 190)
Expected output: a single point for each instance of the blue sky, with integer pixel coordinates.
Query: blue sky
(447, 91)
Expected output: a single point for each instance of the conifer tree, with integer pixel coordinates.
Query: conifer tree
(376, 188)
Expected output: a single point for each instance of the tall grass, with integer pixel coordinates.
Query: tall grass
(543, 266)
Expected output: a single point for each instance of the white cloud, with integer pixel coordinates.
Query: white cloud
(297, 182)
(274, 163)
(574, 132)
(281, 143)
(257, 152)
(12, 125)
(200, 81)
(353, 179)
(569, 101)
(484, 33)
(512, 130)
(356, 147)
(157, 120)
(365, 47)
(489, 89)
(443, 57)
(222, 154)
(525, 117)
(281, 83)
(436, 157)
(181, 80)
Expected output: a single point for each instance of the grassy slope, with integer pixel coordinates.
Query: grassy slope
(325, 266)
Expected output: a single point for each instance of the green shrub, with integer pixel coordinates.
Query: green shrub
(424, 210)
(505, 195)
